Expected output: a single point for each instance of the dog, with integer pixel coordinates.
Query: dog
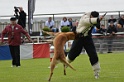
(59, 55)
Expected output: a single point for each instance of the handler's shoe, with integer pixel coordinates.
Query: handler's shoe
(96, 69)
(18, 66)
(96, 74)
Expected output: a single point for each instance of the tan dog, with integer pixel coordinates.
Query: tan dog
(59, 55)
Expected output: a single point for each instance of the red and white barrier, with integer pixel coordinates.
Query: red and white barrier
(37, 50)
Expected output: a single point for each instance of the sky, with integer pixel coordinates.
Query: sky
(62, 6)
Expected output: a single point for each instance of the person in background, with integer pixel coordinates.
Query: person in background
(64, 22)
(14, 31)
(101, 40)
(70, 22)
(94, 29)
(74, 25)
(112, 19)
(22, 18)
(120, 28)
(111, 30)
(121, 21)
(49, 23)
(102, 30)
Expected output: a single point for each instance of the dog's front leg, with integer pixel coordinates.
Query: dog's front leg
(52, 66)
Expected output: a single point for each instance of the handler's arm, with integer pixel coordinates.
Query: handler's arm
(26, 34)
(85, 23)
(4, 32)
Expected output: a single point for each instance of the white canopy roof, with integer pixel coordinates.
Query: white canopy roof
(62, 6)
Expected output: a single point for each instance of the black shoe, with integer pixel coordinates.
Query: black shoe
(18, 65)
(109, 52)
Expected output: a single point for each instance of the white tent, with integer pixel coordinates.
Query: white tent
(62, 6)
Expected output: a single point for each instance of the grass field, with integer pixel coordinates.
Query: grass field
(36, 70)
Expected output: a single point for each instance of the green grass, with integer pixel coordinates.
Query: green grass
(36, 70)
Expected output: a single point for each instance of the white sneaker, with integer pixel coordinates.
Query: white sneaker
(96, 74)
(18, 66)
(96, 69)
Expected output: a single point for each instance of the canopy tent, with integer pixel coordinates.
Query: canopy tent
(59, 6)
(62, 6)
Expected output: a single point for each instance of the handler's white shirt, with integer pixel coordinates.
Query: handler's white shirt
(85, 24)
(49, 24)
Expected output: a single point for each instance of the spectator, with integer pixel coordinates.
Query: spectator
(111, 30)
(70, 22)
(64, 22)
(102, 30)
(14, 40)
(121, 21)
(119, 28)
(112, 19)
(94, 30)
(49, 23)
(22, 17)
(74, 25)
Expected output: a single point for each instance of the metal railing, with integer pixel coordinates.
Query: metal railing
(105, 43)
(102, 43)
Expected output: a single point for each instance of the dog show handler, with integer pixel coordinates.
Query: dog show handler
(84, 29)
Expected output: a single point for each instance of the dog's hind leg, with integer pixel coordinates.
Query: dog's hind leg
(53, 64)
(64, 69)
(66, 63)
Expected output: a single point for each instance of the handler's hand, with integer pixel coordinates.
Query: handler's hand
(113, 33)
(0, 42)
(100, 18)
(31, 41)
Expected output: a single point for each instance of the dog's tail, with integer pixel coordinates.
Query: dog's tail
(66, 63)
(49, 33)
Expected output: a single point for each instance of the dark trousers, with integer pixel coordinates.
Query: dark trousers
(15, 53)
(88, 45)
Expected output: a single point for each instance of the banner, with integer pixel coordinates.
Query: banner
(27, 51)
(5, 53)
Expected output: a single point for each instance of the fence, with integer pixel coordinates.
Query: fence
(105, 43)
(102, 43)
